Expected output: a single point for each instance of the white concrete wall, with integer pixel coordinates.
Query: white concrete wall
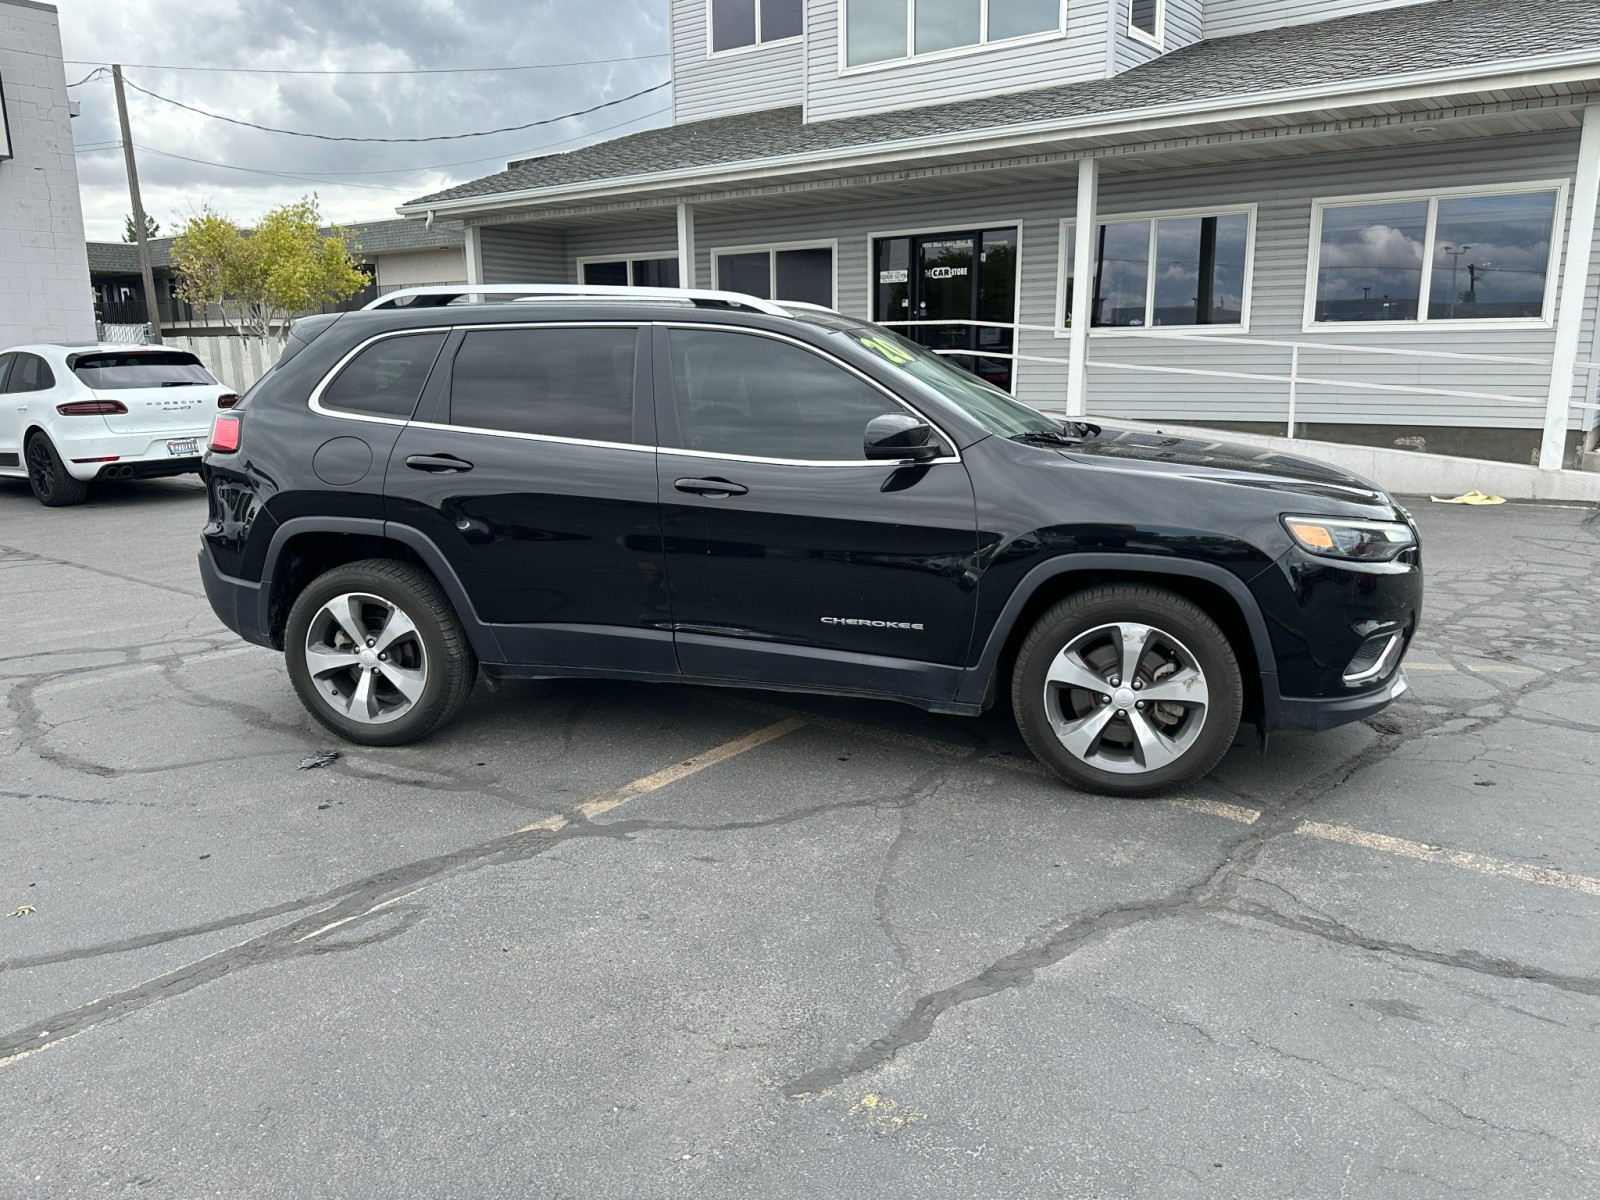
(44, 268)
(413, 268)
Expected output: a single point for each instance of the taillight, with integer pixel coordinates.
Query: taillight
(224, 435)
(92, 408)
(227, 400)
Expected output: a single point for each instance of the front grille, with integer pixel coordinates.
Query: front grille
(1374, 658)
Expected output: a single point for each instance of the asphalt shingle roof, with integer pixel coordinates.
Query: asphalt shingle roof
(1440, 34)
(371, 237)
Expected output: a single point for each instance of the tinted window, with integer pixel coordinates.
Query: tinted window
(742, 394)
(570, 383)
(32, 374)
(158, 368)
(5, 361)
(386, 378)
(607, 274)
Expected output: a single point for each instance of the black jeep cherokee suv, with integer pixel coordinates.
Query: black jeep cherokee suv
(698, 491)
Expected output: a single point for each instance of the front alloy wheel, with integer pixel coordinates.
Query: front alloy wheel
(1126, 697)
(1127, 689)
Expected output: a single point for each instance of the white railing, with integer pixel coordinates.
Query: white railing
(1295, 379)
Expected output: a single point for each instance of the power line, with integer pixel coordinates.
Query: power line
(97, 73)
(584, 62)
(371, 187)
(442, 137)
(333, 177)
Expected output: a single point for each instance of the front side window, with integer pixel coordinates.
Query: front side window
(803, 274)
(884, 30)
(162, 368)
(634, 272)
(759, 397)
(1445, 258)
(555, 382)
(738, 23)
(385, 379)
(1165, 271)
(1147, 18)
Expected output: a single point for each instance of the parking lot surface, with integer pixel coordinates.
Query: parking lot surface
(602, 939)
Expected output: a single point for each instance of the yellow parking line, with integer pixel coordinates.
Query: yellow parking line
(1483, 864)
(1216, 808)
(682, 770)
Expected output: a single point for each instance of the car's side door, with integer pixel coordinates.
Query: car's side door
(26, 397)
(12, 412)
(531, 466)
(792, 558)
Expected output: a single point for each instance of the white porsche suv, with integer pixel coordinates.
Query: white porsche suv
(73, 414)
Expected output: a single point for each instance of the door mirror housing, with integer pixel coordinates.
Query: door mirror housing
(901, 437)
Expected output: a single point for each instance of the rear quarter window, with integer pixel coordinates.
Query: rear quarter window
(113, 372)
(386, 378)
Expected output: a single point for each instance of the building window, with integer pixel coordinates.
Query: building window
(800, 273)
(1166, 271)
(1147, 19)
(739, 23)
(1447, 257)
(884, 30)
(630, 272)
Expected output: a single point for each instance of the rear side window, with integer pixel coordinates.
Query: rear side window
(5, 362)
(568, 383)
(29, 373)
(162, 368)
(386, 378)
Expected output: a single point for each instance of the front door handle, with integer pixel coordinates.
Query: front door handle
(437, 464)
(717, 489)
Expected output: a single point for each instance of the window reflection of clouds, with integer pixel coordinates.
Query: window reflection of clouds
(1490, 258)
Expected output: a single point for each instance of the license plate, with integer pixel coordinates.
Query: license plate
(183, 448)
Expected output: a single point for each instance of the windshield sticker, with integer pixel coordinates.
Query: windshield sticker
(887, 349)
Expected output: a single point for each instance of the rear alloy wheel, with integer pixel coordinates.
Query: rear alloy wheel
(53, 487)
(376, 653)
(1127, 690)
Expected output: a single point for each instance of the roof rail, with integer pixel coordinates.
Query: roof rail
(436, 295)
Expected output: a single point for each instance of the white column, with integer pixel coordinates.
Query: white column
(686, 244)
(1083, 239)
(1574, 290)
(474, 255)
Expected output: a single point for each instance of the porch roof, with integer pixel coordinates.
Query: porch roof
(1458, 38)
(366, 238)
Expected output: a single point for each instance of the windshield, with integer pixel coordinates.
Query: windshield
(982, 401)
(113, 372)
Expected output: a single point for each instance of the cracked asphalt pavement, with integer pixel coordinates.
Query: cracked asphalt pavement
(600, 939)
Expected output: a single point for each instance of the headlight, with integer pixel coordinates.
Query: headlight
(1359, 541)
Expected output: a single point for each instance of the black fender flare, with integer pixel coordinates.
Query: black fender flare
(975, 684)
(484, 643)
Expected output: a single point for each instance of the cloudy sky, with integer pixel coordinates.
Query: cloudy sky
(355, 181)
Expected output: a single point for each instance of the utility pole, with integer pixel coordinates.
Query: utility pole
(151, 310)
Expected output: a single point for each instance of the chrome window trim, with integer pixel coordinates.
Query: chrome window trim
(955, 451)
(333, 373)
(530, 437)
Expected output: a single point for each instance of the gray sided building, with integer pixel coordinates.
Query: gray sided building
(1360, 221)
(44, 278)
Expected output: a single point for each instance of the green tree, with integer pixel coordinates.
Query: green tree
(151, 229)
(260, 278)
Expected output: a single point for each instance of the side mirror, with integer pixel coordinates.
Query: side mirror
(900, 437)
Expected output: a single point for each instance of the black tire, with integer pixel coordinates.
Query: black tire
(52, 486)
(1139, 747)
(436, 648)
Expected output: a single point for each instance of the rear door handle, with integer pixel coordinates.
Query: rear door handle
(715, 488)
(437, 464)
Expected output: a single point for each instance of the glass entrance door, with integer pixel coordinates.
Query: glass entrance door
(965, 276)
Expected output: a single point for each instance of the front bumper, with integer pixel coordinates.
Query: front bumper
(237, 602)
(1296, 714)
